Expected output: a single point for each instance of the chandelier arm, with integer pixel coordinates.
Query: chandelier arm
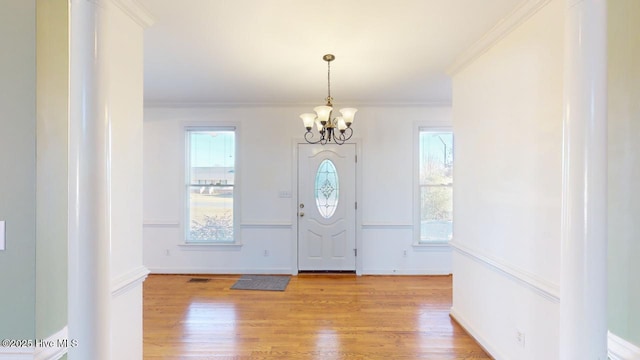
(350, 131)
(308, 137)
(344, 135)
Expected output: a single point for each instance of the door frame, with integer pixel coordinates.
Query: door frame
(295, 201)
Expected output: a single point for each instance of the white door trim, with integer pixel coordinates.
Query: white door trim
(294, 204)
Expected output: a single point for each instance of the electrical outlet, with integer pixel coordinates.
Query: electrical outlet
(404, 253)
(167, 252)
(520, 337)
(266, 253)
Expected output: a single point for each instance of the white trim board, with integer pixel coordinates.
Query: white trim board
(128, 281)
(381, 226)
(503, 28)
(405, 272)
(155, 104)
(161, 223)
(541, 287)
(136, 12)
(462, 321)
(263, 225)
(220, 271)
(621, 349)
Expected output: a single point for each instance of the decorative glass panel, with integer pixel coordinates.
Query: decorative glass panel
(327, 188)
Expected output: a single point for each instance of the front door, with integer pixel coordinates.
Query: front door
(326, 207)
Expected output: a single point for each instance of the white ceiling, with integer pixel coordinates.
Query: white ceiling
(270, 51)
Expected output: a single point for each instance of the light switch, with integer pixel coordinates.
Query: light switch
(2, 235)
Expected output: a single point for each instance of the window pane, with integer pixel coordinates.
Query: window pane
(436, 191)
(212, 157)
(211, 213)
(211, 185)
(327, 188)
(436, 220)
(436, 158)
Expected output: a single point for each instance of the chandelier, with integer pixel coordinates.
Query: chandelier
(337, 129)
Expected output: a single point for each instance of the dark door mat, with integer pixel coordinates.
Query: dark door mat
(262, 282)
(199, 280)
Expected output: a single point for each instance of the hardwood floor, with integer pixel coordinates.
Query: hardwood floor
(317, 317)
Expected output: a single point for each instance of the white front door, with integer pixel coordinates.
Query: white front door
(326, 207)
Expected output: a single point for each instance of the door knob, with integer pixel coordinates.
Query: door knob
(301, 214)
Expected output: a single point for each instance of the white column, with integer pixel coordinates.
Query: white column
(583, 284)
(89, 184)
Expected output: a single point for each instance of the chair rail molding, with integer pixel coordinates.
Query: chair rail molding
(542, 287)
(129, 280)
(621, 349)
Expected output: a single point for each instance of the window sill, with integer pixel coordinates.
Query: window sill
(210, 246)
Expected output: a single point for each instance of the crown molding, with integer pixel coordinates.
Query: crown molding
(135, 11)
(188, 104)
(504, 27)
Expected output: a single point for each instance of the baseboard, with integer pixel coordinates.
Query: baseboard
(621, 349)
(484, 344)
(225, 271)
(406, 272)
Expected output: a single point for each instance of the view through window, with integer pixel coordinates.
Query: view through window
(210, 184)
(436, 186)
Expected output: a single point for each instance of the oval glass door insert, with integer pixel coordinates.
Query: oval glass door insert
(327, 188)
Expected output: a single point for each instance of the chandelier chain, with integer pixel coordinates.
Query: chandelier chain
(329, 80)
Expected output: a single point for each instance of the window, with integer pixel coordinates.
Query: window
(327, 188)
(210, 184)
(435, 185)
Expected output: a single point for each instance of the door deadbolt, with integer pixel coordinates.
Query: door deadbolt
(301, 206)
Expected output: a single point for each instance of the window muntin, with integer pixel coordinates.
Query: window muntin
(436, 186)
(327, 188)
(210, 185)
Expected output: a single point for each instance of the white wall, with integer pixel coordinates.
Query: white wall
(18, 159)
(125, 95)
(624, 169)
(266, 163)
(507, 117)
(52, 167)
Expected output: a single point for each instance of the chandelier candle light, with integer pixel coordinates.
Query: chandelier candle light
(322, 120)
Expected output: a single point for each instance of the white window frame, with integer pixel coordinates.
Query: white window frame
(201, 126)
(418, 128)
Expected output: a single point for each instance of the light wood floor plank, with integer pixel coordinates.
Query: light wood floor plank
(318, 317)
